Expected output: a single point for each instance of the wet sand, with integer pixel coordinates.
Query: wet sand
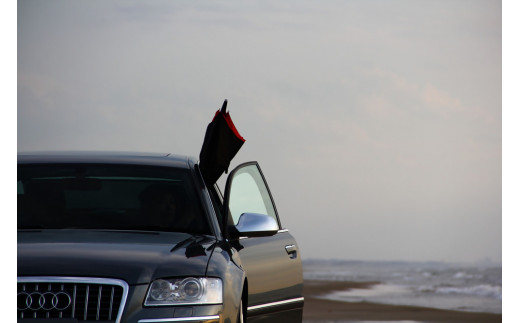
(322, 310)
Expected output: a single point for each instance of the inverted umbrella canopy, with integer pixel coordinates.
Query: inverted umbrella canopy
(221, 143)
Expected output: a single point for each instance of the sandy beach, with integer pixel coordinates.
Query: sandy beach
(322, 310)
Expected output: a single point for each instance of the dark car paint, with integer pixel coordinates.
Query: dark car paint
(145, 159)
(272, 276)
(244, 264)
(135, 257)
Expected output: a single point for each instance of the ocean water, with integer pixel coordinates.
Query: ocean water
(462, 287)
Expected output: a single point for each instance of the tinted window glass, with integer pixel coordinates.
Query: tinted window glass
(116, 197)
(249, 194)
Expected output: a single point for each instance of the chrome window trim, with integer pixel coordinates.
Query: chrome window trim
(181, 319)
(267, 305)
(82, 280)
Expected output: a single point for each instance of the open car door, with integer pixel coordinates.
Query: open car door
(268, 252)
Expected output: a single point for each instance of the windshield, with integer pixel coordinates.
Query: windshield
(114, 197)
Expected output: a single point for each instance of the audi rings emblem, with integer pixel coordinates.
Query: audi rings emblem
(43, 300)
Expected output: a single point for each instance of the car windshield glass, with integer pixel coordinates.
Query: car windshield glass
(114, 197)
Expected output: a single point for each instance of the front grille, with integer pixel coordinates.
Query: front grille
(84, 299)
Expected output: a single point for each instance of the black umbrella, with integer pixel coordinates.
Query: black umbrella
(221, 143)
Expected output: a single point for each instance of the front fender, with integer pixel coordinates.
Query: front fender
(224, 263)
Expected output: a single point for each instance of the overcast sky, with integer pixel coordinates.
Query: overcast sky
(376, 123)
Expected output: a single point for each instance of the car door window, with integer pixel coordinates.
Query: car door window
(249, 193)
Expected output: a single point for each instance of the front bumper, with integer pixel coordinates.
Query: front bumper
(193, 319)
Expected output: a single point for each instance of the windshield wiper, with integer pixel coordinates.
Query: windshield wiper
(32, 227)
(188, 241)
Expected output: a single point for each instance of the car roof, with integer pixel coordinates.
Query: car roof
(103, 157)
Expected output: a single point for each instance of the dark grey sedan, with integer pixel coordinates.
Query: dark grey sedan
(142, 238)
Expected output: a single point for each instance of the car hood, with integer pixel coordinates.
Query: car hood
(136, 257)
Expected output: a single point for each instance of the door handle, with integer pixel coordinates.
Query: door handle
(291, 251)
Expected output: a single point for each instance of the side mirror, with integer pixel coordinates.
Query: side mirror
(256, 225)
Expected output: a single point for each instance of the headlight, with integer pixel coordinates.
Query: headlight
(185, 291)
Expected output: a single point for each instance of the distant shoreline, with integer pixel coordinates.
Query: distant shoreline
(479, 263)
(319, 309)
